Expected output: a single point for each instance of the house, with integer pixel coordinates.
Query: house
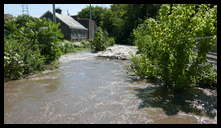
(89, 24)
(7, 16)
(72, 29)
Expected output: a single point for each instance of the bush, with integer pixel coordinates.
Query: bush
(34, 61)
(47, 36)
(101, 40)
(13, 61)
(169, 43)
(85, 43)
(208, 77)
(29, 43)
(67, 46)
(142, 67)
(110, 41)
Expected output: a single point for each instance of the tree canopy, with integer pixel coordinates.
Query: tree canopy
(120, 19)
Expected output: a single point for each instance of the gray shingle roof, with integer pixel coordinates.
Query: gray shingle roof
(72, 23)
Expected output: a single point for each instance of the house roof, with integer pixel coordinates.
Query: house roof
(72, 23)
(7, 16)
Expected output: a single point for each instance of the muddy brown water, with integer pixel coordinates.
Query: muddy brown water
(86, 89)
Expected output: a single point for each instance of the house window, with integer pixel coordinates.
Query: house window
(49, 19)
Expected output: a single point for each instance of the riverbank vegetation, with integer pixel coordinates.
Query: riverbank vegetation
(30, 44)
(166, 46)
(101, 40)
(172, 39)
(120, 19)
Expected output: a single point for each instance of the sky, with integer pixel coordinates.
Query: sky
(38, 10)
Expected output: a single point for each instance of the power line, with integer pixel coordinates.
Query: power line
(25, 9)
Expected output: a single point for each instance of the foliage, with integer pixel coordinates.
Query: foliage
(208, 77)
(85, 43)
(120, 19)
(13, 62)
(169, 42)
(113, 21)
(66, 46)
(142, 67)
(136, 14)
(48, 36)
(97, 13)
(101, 40)
(29, 44)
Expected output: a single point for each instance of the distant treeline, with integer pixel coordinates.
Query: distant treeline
(120, 19)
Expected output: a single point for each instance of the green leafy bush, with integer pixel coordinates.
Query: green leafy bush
(34, 61)
(13, 61)
(110, 41)
(208, 77)
(67, 46)
(101, 40)
(170, 40)
(142, 67)
(85, 43)
(29, 43)
(47, 36)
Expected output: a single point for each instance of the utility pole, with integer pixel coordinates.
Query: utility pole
(90, 13)
(89, 28)
(68, 13)
(54, 17)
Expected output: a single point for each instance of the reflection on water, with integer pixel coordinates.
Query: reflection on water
(86, 89)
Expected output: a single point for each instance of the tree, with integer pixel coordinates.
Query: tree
(114, 21)
(136, 14)
(168, 43)
(97, 14)
(120, 19)
(101, 40)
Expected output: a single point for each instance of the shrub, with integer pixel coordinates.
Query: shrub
(67, 46)
(33, 61)
(13, 61)
(85, 43)
(208, 77)
(169, 43)
(28, 44)
(110, 41)
(142, 67)
(47, 36)
(101, 40)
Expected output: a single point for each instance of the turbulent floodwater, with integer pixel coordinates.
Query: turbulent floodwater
(86, 89)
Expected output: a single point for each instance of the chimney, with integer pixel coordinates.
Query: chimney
(58, 10)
